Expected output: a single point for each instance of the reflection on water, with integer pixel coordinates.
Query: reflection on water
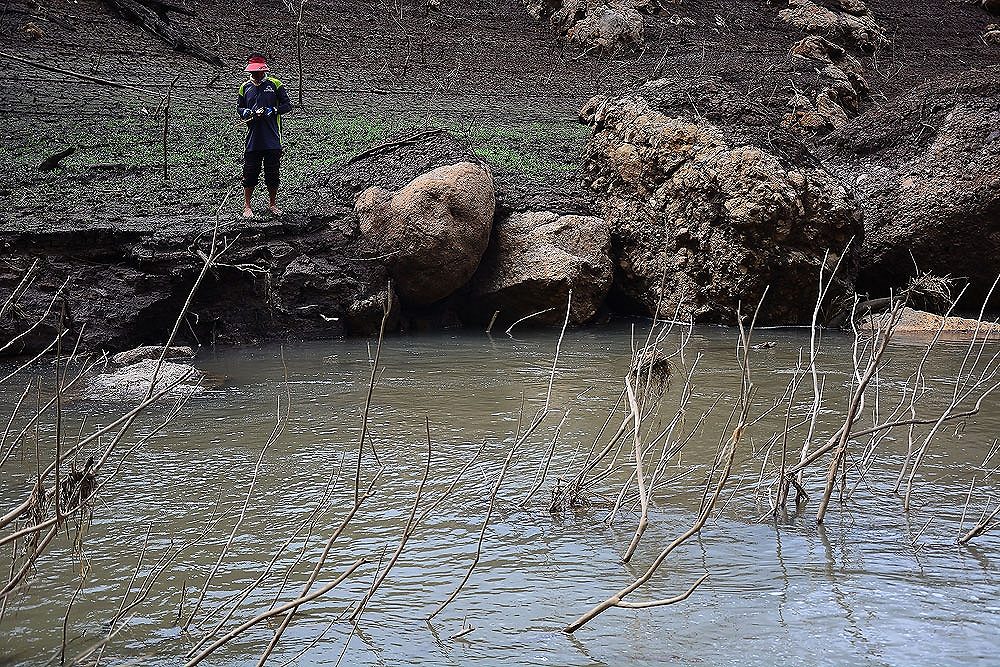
(873, 585)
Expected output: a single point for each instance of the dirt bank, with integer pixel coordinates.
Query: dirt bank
(494, 76)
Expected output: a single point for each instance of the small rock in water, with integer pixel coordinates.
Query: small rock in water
(131, 382)
(148, 352)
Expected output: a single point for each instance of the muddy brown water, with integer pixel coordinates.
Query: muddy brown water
(874, 585)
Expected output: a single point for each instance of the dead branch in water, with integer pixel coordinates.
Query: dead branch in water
(726, 457)
(288, 607)
(386, 308)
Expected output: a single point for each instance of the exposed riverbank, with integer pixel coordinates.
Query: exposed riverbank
(869, 136)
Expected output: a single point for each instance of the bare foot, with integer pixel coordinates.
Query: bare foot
(247, 212)
(274, 209)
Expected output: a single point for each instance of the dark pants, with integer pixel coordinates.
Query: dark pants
(252, 162)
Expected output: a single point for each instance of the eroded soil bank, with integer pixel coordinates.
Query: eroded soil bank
(798, 126)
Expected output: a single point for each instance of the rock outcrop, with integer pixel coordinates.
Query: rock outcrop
(118, 289)
(926, 173)
(840, 90)
(604, 24)
(849, 21)
(534, 260)
(922, 324)
(714, 220)
(431, 233)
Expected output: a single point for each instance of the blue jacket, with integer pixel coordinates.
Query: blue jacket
(263, 132)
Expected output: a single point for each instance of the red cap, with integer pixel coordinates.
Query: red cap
(257, 64)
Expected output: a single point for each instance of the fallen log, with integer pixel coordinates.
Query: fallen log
(52, 161)
(165, 6)
(149, 19)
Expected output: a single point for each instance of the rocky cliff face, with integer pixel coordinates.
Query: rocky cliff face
(703, 223)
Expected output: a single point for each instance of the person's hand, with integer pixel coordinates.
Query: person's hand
(268, 111)
(259, 112)
(245, 114)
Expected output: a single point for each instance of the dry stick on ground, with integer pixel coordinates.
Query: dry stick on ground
(289, 607)
(144, 91)
(156, 24)
(166, 121)
(412, 139)
(298, 48)
(52, 161)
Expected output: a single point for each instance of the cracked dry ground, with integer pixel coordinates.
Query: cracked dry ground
(485, 70)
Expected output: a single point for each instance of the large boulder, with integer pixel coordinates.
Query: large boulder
(712, 220)
(536, 258)
(927, 177)
(433, 232)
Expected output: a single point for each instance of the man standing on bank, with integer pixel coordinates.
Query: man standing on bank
(262, 101)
